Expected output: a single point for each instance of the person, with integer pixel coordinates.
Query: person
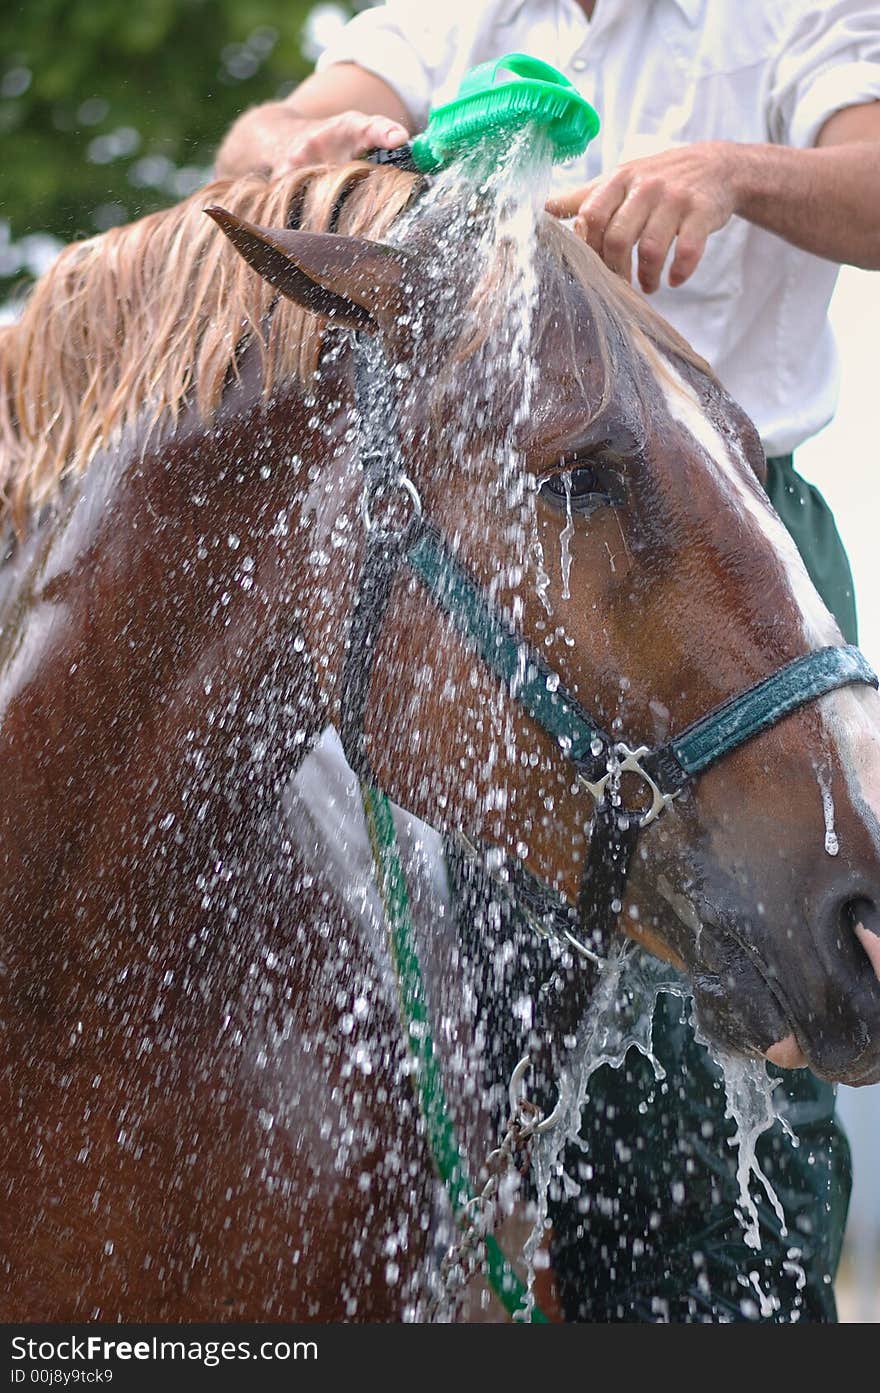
(737, 167)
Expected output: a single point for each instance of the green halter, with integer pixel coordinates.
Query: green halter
(537, 688)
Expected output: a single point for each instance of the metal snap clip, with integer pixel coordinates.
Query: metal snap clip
(628, 762)
(516, 1096)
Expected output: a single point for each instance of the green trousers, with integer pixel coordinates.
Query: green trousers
(811, 524)
(653, 1235)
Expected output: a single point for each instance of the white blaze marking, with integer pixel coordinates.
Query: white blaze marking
(684, 405)
(850, 716)
(852, 719)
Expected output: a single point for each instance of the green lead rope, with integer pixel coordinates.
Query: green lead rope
(442, 1141)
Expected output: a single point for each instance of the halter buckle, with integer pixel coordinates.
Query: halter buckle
(627, 761)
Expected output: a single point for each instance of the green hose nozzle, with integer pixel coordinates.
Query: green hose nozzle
(496, 100)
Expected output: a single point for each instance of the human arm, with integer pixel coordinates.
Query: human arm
(825, 199)
(388, 62)
(333, 116)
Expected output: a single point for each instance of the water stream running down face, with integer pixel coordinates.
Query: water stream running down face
(565, 537)
(621, 1014)
(497, 219)
(832, 844)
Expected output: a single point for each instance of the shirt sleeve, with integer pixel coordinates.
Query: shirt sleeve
(406, 44)
(830, 60)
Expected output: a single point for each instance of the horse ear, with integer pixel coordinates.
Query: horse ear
(356, 283)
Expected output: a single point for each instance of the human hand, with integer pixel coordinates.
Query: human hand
(681, 195)
(335, 139)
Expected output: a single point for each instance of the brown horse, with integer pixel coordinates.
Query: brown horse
(205, 1108)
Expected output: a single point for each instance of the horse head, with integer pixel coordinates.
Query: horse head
(588, 473)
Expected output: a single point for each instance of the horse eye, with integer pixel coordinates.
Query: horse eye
(578, 487)
(582, 480)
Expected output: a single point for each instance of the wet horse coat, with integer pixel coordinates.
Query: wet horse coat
(195, 1112)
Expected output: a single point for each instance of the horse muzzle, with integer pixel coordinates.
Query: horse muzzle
(821, 1010)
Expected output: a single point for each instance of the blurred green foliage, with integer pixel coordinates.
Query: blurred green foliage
(111, 108)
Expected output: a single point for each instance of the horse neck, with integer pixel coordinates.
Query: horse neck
(168, 578)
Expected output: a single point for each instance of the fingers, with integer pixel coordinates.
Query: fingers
(657, 237)
(675, 198)
(689, 247)
(340, 138)
(566, 205)
(614, 235)
(594, 216)
(382, 134)
(617, 214)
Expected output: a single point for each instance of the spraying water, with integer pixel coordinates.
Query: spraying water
(565, 537)
(621, 1013)
(620, 1016)
(494, 217)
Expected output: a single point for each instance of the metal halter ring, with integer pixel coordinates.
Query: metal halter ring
(629, 763)
(402, 482)
(515, 1094)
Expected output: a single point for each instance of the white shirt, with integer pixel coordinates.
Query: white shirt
(662, 72)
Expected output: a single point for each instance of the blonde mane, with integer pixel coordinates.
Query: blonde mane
(152, 315)
(129, 327)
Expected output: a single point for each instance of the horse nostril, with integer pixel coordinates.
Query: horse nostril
(863, 917)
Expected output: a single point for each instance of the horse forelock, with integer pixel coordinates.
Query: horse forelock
(127, 328)
(627, 333)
